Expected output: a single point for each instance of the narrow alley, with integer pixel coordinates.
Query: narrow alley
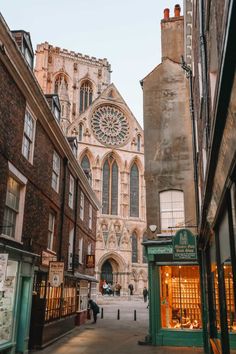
(112, 336)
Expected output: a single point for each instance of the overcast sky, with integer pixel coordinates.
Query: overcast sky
(126, 32)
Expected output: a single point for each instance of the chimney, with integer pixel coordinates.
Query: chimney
(166, 14)
(172, 35)
(177, 10)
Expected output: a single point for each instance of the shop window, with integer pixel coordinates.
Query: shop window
(82, 296)
(14, 206)
(7, 301)
(180, 297)
(71, 192)
(55, 171)
(28, 137)
(171, 209)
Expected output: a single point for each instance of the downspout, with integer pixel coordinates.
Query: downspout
(204, 71)
(65, 163)
(189, 75)
(75, 224)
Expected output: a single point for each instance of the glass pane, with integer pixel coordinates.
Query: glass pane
(114, 189)
(180, 297)
(105, 188)
(134, 191)
(134, 248)
(229, 294)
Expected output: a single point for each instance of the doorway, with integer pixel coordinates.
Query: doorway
(106, 273)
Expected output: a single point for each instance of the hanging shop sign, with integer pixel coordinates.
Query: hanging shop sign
(184, 245)
(90, 261)
(56, 273)
(3, 266)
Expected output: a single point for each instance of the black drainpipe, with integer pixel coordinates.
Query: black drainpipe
(65, 163)
(75, 222)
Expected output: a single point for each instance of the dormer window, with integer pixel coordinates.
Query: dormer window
(23, 41)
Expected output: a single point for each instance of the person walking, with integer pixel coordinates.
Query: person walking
(145, 294)
(95, 308)
(131, 288)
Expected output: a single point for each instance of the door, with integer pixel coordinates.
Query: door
(23, 316)
(107, 272)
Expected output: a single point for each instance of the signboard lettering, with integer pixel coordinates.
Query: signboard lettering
(160, 250)
(56, 273)
(184, 245)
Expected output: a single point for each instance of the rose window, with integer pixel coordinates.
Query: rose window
(110, 126)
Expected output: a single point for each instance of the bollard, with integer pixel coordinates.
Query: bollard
(102, 313)
(118, 314)
(135, 315)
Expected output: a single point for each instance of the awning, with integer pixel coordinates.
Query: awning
(86, 277)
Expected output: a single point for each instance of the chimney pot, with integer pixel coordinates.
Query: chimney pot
(177, 10)
(166, 14)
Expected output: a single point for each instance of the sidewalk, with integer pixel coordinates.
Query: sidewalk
(112, 336)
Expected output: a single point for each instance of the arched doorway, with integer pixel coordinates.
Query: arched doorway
(106, 273)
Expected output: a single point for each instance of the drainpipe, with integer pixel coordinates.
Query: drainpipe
(75, 223)
(204, 70)
(65, 163)
(189, 74)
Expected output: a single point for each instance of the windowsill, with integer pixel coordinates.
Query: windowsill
(10, 238)
(51, 251)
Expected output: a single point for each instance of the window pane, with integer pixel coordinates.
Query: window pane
(134, 248)
(105, 188)
(171, 209)
(134, 191)
(114, 189)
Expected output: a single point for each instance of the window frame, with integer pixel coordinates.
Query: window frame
(90, 220)
(50, 239)
(171, 210)
(29, 138)
(81, 206)
(71, 192)
(81, 241)
(56, 172)
(131, 198)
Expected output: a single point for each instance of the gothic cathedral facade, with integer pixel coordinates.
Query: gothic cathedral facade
(111, 153)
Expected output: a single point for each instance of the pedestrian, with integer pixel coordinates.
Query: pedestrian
(145, 294)
(95, 308)
(104, 288)
(131, 288)
(117, 288)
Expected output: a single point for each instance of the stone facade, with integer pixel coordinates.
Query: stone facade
(106, 130)
(167, 127)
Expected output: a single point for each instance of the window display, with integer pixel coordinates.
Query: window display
(7, 300)
(180, 297)
(82, 295)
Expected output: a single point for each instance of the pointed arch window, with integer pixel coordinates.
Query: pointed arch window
(138, 143)
(86, 96)
(134, 191)
(80, 131)
(134, 243)
(85, 164)
(110, 187)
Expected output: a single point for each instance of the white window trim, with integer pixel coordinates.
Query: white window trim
(81, 212)
(70, 249)
(31, 157)
(50, 248)
(19, 177)
(71, 192)
(81, 251)
(53, 171)
(170, 210)
(90, 216)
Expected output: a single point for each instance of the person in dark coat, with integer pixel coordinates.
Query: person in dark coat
(95, 308)
(131, 288)
(145, 294)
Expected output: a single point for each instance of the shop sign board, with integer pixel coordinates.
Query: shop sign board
(56, 274)
(184, 245)
(90, 261)
(3, 266)
(160, 250)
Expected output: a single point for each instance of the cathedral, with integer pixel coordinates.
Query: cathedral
(111, 153)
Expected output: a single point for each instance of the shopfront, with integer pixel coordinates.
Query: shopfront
(16, 277)
(175, 317)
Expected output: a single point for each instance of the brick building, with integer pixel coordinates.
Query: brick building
(47, 208)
